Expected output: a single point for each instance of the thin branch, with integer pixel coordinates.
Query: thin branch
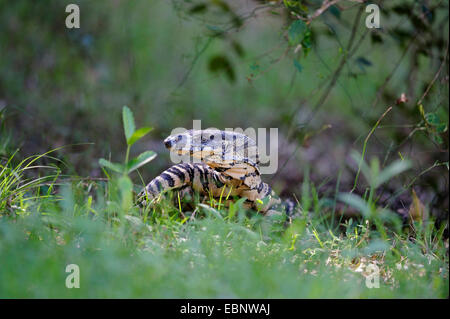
(435, 76)
(191, 67)
(324, 7)
(365, 146)
(391, 199)
(389, 77)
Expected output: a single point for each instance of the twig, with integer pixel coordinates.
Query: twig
(325, 5)
(365, 146)
(406, 187)
(191, 67)
(416, 127)
(389, 77)
(435, 76)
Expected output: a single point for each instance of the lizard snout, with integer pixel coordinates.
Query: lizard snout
(168, 143)
(174, 141)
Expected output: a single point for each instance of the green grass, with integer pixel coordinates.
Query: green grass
(125, 252)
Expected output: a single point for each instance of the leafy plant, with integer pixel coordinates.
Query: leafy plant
(433, 125)
(132, 136)
(375, 177)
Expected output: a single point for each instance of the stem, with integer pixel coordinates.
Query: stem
(126, 157)
(365, 145)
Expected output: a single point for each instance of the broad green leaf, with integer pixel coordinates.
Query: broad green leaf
(138, 134)
(437, 138)
(116, 167)
(356, 202)
(128, 122)
(441, 128)
(141, 160)
(392, 170)
(297, 31)
(432, 119)
(221, 63)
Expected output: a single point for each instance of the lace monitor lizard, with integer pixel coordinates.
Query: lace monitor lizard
(224, 164)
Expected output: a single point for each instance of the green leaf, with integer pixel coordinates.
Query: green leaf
(128, 122)
(432, 119)
(441, 128)
(139, 161)
(237, 47)
(198, 8)
(376, 38)
(437, 138)
(356, 202)
(220, 63)
(297, 31)
(392, 170)
(116, 167)
(138, 134)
